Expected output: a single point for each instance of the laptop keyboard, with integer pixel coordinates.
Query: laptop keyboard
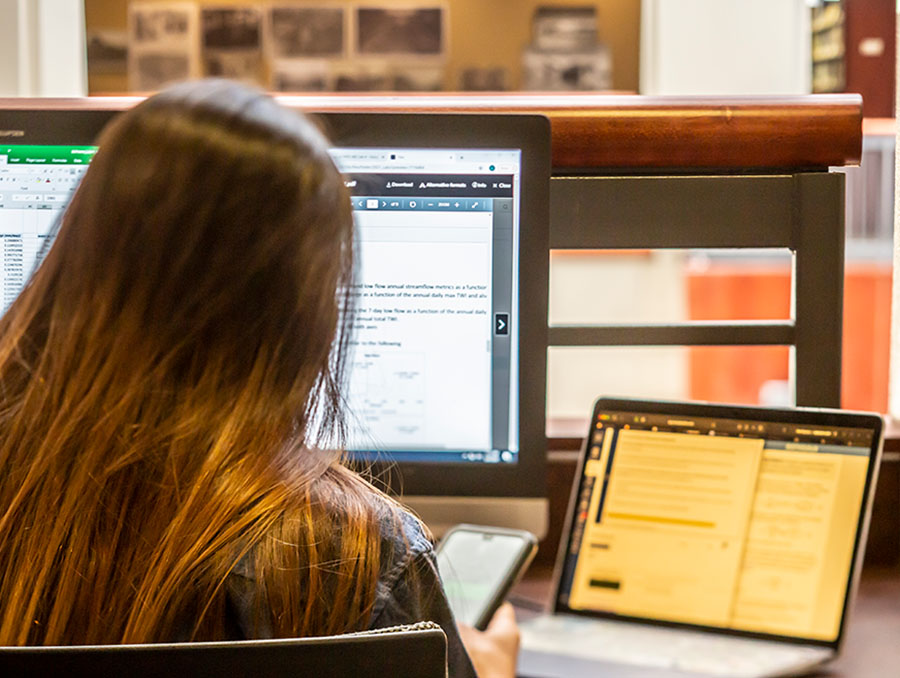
(674, 649)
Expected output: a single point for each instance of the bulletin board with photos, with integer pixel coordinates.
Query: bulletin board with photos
(282, 46)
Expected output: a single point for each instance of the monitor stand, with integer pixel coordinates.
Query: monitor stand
(442, 513)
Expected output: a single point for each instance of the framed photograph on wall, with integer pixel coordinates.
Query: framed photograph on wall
(231, 28)
(162, 44)
(231, 41)
(157, 69)
(299, 31)
(159, 25)
(301, 75)
(415, 31)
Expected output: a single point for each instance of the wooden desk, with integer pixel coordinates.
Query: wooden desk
(872, 646)
(873, 641)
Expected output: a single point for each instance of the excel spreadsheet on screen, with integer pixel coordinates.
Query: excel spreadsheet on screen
(435, 296)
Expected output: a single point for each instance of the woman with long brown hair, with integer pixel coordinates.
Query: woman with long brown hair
(170, 385)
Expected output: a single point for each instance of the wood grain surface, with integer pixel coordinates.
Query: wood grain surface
(628, 133)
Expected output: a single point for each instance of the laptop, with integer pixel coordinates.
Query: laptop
(708, 540)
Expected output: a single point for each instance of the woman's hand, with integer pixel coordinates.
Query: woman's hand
(493, 651)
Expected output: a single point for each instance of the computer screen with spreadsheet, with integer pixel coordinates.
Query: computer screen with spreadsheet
(436, 329)
(35, 185)
(447, 367)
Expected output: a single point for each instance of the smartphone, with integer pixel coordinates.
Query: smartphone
(479, 565)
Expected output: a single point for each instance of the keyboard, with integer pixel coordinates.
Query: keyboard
(665, 648)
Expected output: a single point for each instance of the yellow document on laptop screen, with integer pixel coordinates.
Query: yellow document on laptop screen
(800, 542)
(672, 525)
(740, 530)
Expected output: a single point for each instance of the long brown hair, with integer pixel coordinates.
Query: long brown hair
(169, 378)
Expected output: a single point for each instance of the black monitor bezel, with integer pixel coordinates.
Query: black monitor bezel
(78, 125)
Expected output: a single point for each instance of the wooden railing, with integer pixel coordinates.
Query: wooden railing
(629, 132)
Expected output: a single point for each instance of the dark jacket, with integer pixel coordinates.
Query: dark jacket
(409, 590)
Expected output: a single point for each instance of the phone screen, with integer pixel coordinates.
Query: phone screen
(473, 566)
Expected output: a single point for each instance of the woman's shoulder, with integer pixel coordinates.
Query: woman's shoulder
(402, 549)
(403, 535)
(404, 539)
(408, 587)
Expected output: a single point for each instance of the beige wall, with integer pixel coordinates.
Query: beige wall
(482, 33)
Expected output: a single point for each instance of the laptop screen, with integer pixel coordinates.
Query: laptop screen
(743, 524)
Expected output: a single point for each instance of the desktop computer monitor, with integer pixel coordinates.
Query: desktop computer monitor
(448, 366)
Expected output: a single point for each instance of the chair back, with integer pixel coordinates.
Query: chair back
(417, 651)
